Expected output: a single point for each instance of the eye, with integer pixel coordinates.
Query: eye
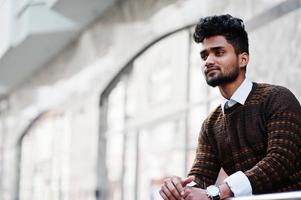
(219, 52)
(204, 56)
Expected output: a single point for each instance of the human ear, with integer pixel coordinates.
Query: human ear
(243, 59)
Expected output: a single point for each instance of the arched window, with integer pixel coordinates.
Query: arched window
(154, 111)
(44, 159)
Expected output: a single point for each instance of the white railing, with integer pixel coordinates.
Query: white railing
(275, 196)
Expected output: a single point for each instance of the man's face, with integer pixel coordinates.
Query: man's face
(220, 62)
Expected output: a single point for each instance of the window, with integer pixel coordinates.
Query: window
(45, 160)
(154, 114)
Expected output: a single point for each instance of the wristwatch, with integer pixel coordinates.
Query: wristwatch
(213, 192)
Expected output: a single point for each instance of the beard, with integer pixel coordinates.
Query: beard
(221, 79)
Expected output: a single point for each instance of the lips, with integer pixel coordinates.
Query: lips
(211, 70)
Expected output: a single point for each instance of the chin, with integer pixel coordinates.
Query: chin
(212, 83)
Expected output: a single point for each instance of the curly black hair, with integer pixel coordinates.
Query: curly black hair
(231, 28)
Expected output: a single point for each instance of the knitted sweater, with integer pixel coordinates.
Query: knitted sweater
(261, 138)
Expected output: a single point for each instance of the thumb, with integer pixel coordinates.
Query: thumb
(187, 180)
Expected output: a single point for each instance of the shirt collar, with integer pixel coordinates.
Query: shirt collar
(240, 95)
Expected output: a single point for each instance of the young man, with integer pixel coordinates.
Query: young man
(254, 135)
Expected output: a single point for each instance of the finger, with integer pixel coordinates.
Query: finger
(167, 188)
(178, 185)
(188, 180)
(186, 192)
(163, 195)
(173, 189)
(168, 193)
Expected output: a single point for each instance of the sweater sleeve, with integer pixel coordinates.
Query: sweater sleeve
(283, 114)
(206, 166)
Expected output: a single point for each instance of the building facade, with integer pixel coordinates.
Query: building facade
(102, 101)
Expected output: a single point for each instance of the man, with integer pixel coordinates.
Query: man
(254, 135)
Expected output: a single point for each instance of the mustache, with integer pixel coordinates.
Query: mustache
(209, 68)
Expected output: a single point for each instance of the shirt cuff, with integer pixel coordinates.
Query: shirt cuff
(239, 184)
(192, 184)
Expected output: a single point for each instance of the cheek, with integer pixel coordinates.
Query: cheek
(228, 63)
(222, 61)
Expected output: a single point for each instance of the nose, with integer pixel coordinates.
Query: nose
(209, 61)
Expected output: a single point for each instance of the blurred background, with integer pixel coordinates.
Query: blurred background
(103, 99)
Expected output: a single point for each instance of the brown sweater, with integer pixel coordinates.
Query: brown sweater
(261, 138)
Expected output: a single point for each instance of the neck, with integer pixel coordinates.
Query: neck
(227, 90)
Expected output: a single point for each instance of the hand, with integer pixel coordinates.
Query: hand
(192, 193)
(173, 187)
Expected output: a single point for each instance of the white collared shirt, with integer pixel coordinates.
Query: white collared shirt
(240, 95)
(239, 182)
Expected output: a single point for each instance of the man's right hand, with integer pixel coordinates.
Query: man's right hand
(173, 187)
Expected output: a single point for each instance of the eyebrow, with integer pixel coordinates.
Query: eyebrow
(212, 49)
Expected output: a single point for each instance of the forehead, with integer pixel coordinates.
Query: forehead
(215, 41)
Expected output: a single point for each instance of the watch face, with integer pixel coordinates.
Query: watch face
(212, 191)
